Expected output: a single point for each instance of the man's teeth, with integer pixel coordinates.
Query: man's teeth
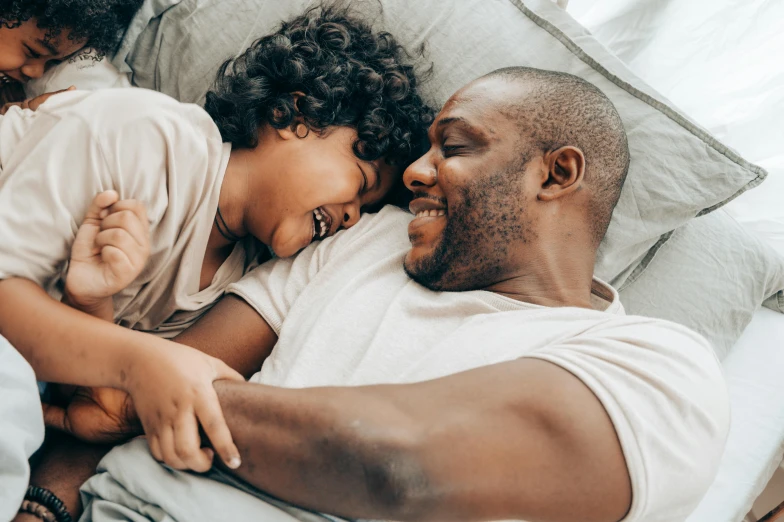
(431, 213)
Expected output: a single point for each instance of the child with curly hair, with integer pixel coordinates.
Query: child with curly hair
(35, 34)
(309, 127)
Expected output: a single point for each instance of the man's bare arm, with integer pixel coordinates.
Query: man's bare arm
(518, 440)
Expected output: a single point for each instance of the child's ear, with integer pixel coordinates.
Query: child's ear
(291, 132)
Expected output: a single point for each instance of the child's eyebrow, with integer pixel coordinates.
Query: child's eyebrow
(49, 46)
(376, 178)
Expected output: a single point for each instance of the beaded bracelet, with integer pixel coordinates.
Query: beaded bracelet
(34, 508)
(43, 498)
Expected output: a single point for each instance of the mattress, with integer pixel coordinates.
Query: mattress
(756, 441)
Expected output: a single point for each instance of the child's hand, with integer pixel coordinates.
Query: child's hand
(33, 103)
(173, 394)
(110, 250)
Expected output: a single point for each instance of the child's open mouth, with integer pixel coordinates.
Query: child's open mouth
(322, 224)
(5, 79)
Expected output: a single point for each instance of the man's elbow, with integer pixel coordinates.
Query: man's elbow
(395, 477)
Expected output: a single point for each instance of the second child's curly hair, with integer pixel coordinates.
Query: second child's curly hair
(100, 22)
(346, 75)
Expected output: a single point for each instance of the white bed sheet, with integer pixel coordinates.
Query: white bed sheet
(756, 442)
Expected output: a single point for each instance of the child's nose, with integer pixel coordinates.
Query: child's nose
(33, 69)
(351, 214)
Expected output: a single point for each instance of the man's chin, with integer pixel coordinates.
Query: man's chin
(424, 270)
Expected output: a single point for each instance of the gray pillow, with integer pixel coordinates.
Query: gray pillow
(711, 276)
(678, 170)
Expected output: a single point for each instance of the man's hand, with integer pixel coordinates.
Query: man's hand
(98, 415)
(110, 250)
(33, 103)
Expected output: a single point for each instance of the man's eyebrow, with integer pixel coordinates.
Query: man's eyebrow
(54, 51)
(455, 119)
(464, 123)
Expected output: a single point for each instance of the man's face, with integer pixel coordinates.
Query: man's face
(471, 193)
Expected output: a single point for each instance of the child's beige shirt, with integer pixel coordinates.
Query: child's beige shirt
(142, 144)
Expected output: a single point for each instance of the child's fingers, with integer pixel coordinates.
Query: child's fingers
(187, 445)
(7, 106)
(101, 202)
(168, 449)
(135, 206)
(155, 447)
(214, 424)
(117, 248)
(128, 220)
(55, 417)
(224, 371)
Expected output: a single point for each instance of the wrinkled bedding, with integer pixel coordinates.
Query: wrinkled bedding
(20, 404)
(132, 486)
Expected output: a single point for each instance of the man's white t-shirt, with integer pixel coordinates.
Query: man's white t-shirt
(144, 145)
(347, 314)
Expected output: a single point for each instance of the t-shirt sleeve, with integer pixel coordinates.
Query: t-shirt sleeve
(45, 188)
(272, 288)
(664, 390)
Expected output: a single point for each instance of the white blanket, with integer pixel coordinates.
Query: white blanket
(21, 427)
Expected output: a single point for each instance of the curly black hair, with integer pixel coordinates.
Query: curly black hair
(101, 22)
(346, 75)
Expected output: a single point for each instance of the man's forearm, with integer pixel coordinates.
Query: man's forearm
(64, 345)
(506, 441)
(295, 445)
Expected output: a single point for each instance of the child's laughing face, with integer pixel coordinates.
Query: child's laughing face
(27, 50)
(312, 187)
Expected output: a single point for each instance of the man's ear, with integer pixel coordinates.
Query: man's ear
(565, 173)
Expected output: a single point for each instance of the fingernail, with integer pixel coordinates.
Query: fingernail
(234, 463)
(104, 213)
(210, 453)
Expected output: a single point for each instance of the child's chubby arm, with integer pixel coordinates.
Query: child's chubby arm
(171, 384)
(111, 248)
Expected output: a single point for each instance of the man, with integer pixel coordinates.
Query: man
(479, 372)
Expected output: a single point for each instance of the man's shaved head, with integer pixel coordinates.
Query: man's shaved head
(555, 109)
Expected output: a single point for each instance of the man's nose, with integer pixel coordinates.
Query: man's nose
(421, 173)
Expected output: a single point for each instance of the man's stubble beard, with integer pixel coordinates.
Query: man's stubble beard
(473, 251)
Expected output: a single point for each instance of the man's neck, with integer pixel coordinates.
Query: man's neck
(559, 276)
